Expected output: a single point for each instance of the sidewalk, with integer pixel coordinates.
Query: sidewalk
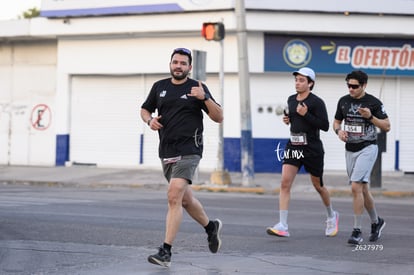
(394, 184)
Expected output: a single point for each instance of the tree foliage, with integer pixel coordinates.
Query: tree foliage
(30, 13)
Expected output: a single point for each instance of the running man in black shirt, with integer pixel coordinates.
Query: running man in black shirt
(361, 113)
(179, 102)
(306, 115)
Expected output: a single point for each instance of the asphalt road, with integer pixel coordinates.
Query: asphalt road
(52, 230)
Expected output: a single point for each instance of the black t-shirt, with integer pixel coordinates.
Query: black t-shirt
(182, 117)
(316, 119)
(361, 132)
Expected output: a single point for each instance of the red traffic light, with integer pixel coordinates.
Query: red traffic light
(213, 31)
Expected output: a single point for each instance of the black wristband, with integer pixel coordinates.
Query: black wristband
(149, 121)
(371, 117)
(206, 96)
(337, 130)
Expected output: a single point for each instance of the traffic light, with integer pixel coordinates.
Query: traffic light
(213, 31)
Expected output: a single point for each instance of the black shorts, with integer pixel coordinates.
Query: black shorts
(313, 163)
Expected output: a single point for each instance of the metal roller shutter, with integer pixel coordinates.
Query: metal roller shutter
(406, 151)
(105, 120)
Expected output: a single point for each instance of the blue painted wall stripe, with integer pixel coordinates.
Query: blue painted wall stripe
(62, 149)
(141, 149)
(112, 10)
(397, 155)
(264, 155)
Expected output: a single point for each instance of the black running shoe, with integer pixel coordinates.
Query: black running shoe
(376, 229)
(356, 237)
(162, 258)
(214, 241)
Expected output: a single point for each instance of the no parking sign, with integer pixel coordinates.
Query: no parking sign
(41, 117)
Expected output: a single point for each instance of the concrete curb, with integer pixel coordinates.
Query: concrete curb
(396, 194)
(257, 190)
(333, 192)
(77, 185)
(209, 188)
(377, 193)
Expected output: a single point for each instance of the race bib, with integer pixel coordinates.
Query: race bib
(298, 139)
(355, 129)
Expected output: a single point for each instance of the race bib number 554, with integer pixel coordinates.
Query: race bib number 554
(354, 128)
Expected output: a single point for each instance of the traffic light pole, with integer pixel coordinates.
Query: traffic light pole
(220, 164)
(215, 31)
(221, 176)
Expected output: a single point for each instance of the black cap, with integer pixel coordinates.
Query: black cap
(183, 51)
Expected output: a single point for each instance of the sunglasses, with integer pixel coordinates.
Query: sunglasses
(353, 86)
(182, 50)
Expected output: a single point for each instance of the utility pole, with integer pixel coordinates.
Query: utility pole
(246, 141)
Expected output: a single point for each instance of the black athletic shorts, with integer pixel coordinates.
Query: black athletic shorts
(313, 163)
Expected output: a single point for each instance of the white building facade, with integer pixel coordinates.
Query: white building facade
(72, 82)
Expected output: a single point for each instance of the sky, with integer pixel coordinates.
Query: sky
(11, 9)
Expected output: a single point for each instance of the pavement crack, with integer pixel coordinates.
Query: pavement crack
(55, 251)
(306, 267)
